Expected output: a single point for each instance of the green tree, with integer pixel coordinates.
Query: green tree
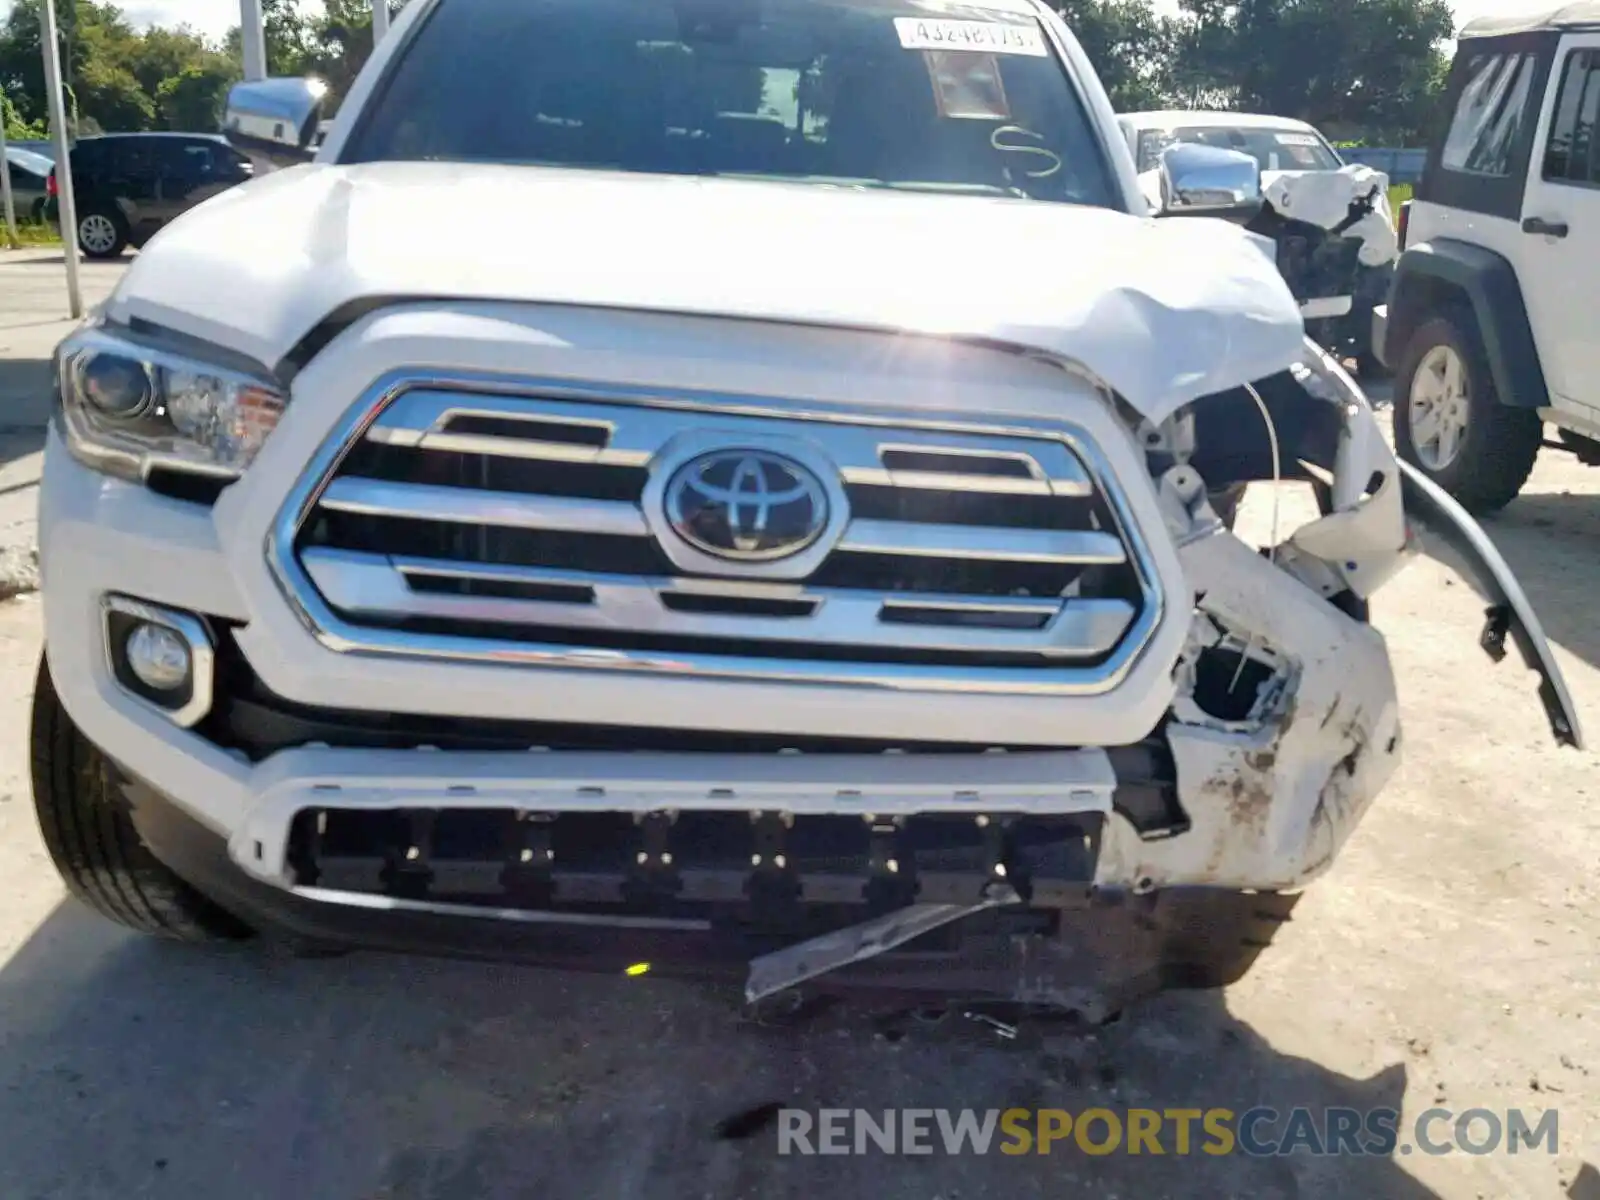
(15, 126)
(1355, 68)
(288, 34)
(116, 78)
(1131, 45)
(194, 98)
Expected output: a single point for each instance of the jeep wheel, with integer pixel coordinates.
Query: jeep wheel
(1449, 422)
(84, 819)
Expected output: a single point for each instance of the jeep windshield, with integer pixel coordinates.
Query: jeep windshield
(1285, 149)
(867, 93)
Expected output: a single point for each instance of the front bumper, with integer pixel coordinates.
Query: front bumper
(1091, 960)
(1261, 798)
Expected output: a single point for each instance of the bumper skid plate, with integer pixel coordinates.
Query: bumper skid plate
(770, 870)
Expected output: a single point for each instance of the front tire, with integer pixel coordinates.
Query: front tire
(1449, 421)
(91, 839)
(101, 234)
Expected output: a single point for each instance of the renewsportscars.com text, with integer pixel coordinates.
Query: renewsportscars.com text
(1255, 1132)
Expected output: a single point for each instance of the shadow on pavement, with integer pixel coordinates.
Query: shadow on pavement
(24, 406)
(129, 1067)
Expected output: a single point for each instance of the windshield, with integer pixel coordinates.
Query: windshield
(872, 93)
(1275, 149)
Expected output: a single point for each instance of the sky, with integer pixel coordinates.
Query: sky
(214, 17)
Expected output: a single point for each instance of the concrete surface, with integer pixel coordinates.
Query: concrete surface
(33, 318)
(1449, 960)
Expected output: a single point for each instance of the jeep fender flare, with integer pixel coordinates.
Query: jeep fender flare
(1430, 275)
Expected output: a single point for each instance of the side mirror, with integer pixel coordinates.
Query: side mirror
(1205, 181)
(275, 121)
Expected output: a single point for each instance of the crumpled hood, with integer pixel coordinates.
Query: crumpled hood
(1164, 311)
(1323, 198)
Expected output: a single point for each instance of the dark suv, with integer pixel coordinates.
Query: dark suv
(129, 185)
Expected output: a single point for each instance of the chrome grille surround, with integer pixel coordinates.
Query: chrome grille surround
(350, 599)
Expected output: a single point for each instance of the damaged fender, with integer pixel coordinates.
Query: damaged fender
(1272, 787)
(1270, 799)
(1362, 542)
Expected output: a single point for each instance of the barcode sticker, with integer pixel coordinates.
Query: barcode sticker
(990, 37)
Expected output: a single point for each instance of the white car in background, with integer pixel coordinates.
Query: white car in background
(1331, 220)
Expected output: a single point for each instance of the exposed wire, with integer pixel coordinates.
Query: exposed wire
(1277, 489)
(1277, 469)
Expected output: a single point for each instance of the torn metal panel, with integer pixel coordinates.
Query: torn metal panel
(772, 973)
(1272, 797)
(1363, 540)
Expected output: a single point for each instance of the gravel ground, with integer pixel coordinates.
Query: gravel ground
(1448, 960)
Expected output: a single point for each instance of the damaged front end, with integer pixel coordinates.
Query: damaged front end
(1284, 729)
(1336, 246)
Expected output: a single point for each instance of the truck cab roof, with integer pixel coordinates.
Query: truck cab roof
(1579, 14)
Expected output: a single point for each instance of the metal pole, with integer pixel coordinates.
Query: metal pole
(65, 201)
(380, 20)
(252, 39)
(5, 184)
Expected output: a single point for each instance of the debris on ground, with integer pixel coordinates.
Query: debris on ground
(19, 571)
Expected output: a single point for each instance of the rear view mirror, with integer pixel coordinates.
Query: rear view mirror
(1205, 181)
(275, 121)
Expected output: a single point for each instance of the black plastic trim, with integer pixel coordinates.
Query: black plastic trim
(1455, 538)
(1111, 950)
(1487, 283)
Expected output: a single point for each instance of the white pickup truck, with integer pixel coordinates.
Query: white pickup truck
(726, 487)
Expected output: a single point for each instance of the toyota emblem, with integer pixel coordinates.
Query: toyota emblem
(746, 505)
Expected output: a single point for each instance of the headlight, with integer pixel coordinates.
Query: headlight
(128, 405)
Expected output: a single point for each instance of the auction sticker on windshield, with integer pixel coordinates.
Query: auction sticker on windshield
(968, 86)
(991, 37)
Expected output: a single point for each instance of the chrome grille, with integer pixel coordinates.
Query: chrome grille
(485, 520)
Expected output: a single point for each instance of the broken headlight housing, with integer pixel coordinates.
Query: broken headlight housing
(128, 404)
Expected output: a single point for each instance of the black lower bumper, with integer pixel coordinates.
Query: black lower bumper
(1092, 958)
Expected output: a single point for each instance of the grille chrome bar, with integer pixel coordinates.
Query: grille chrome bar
(372, 585)
(505, 510)
(561, 514)
(981, 542)
(932, 617)
(635, 434)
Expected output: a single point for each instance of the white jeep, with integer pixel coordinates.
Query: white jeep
(725, 487)
(1490, 321)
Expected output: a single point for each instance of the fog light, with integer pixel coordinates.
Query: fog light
(163, 656)
(158, 657)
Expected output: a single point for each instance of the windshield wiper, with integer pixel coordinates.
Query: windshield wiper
(960, 189)
(897, 185)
